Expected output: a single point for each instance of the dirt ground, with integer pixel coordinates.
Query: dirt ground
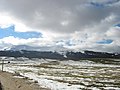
(10, 82)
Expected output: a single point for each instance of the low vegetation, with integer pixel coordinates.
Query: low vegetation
(101, 73)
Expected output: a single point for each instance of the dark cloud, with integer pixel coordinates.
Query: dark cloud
(56, 15)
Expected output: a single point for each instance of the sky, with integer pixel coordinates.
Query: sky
(73, 24)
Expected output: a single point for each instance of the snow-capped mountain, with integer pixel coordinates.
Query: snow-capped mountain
(54, 52)
(40, 48)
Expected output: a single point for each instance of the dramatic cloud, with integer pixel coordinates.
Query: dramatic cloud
(78, 24)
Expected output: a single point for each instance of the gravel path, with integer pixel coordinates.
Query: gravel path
(9, 82)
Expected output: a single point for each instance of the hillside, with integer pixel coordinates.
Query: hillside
(68, 55)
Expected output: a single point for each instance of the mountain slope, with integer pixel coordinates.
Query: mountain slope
(56, 55)
(42, 48)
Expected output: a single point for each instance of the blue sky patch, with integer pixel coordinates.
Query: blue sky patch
(107, 41)
(112, 1)
(10, 31)
(97, 4)
(69, 43)
(103, 4)
(117, 25)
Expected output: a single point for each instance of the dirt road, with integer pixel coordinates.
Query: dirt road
(9, 82)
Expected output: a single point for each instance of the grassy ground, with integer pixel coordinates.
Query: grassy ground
(100, 74)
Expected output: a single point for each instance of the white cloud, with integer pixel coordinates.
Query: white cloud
(114, 33)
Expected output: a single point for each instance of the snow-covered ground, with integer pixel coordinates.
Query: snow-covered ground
(67, 75)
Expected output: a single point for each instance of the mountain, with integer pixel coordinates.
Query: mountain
(56, 48)
(69, 55)
(59, 53)
(56, 52)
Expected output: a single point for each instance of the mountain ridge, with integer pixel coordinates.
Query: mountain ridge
(69, 55)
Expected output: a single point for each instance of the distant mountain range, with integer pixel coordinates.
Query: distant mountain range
(39, 48)
(54, 53)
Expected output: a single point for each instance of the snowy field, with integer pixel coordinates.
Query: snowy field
(67, 74)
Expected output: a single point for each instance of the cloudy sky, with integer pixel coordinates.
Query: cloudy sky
(73, 24)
